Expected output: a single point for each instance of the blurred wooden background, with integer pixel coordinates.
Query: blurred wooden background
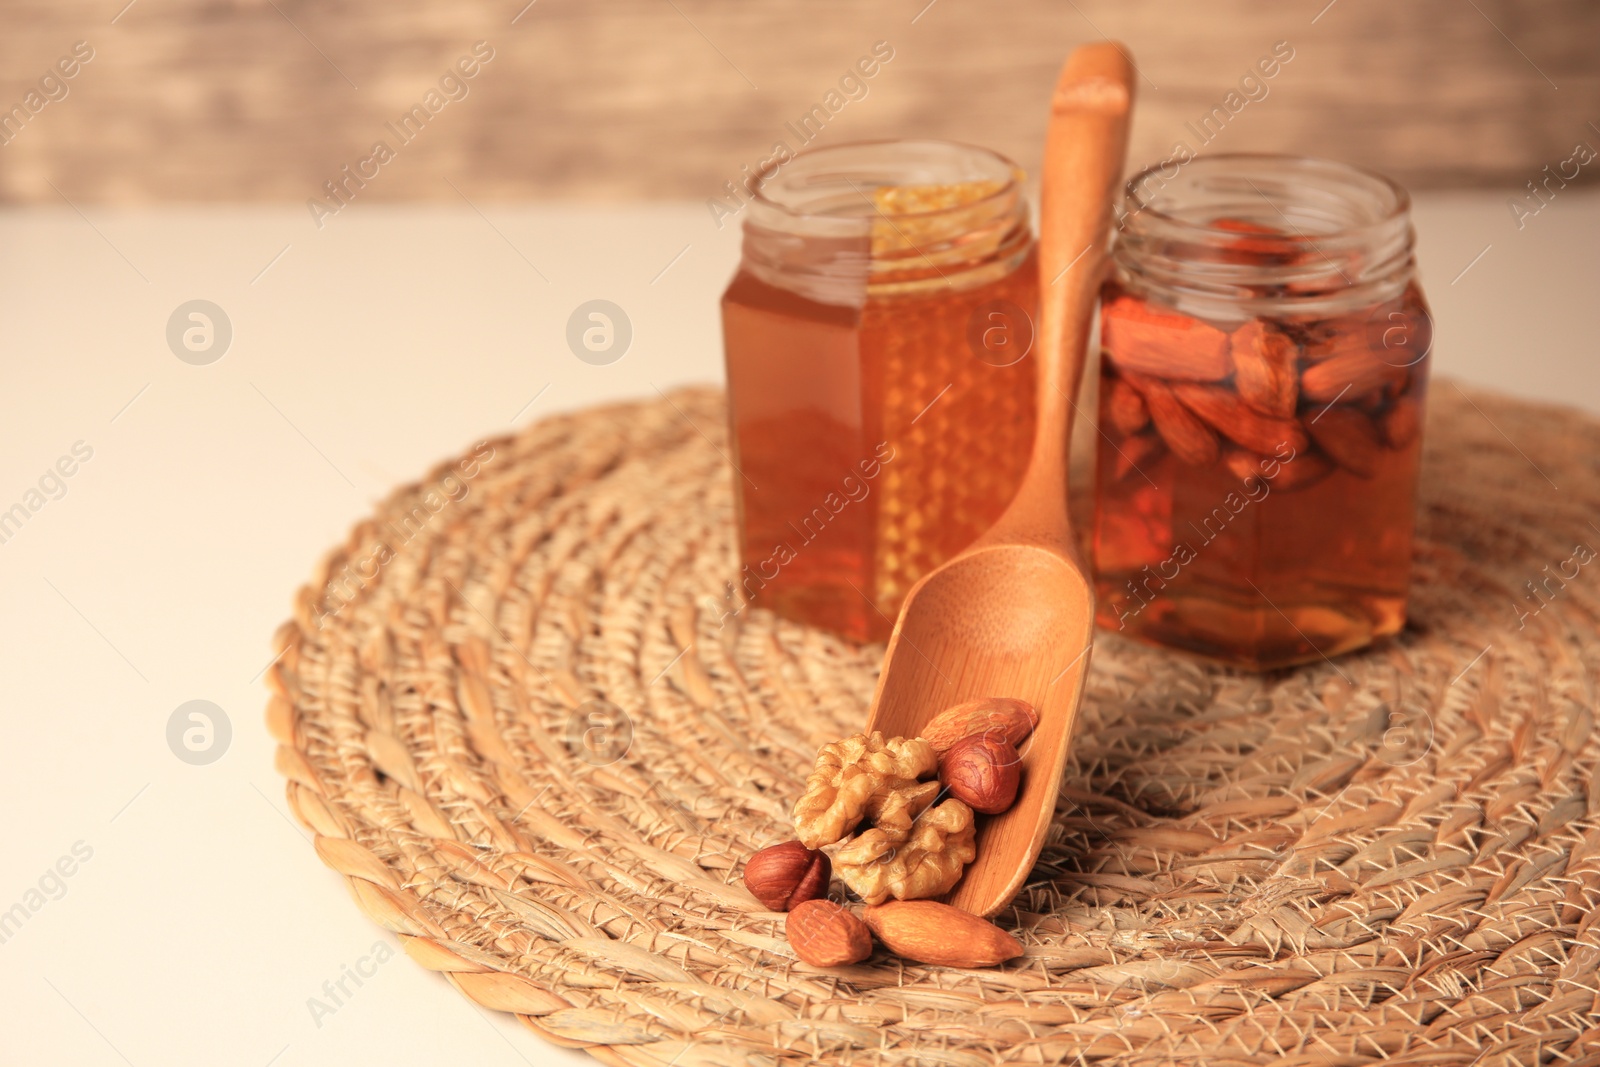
(265, 100)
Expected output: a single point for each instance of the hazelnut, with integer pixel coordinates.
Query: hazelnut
(785, 875)
(983, 772)
(826, 935)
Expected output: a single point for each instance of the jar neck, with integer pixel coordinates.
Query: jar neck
(895, 218)
(1231, 237)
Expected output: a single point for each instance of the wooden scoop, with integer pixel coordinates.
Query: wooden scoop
(1013, 615)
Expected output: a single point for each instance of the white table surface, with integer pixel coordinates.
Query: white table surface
(203, 923)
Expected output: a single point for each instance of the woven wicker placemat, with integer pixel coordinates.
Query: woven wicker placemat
(1394, 856)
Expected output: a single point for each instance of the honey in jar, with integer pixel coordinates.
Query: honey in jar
(880, 388)
(1263, 371)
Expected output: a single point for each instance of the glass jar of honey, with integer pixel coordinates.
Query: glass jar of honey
(881, 402)
(1264, 361)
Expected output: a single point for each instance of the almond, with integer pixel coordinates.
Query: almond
(785, 875)
(1245, 464)
(1349, 437)
(1350, 373)
(1125, 407)
(1140, 337)
(930, 932)
(1134, 454)
(982, 772)
(826, 935)
(1001, 717)
(1403, 423)
(1263, 244)
(1190, 439)
(1264, 368)
(1225, 411)
(1299, 471)
(1328, 273)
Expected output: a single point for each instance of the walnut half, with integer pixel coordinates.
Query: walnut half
(926, 862)
(860, 772)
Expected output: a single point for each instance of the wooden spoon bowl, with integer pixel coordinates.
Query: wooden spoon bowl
(1006, 620)
(1013, 615)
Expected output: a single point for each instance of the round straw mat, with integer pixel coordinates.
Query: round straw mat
(523, 722)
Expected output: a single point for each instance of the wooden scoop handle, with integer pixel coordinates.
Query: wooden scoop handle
(1086, 147)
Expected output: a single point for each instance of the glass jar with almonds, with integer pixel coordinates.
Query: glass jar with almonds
(1264, 364)
(881, 404)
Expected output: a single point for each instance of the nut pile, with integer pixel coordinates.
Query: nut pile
(900, 815)
(1293, 398)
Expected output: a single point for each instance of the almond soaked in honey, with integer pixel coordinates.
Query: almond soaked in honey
(880, 399)
(1264, 369)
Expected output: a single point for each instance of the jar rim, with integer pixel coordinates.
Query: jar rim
(1399, 204)
(1209, 237)
(1007, 172)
